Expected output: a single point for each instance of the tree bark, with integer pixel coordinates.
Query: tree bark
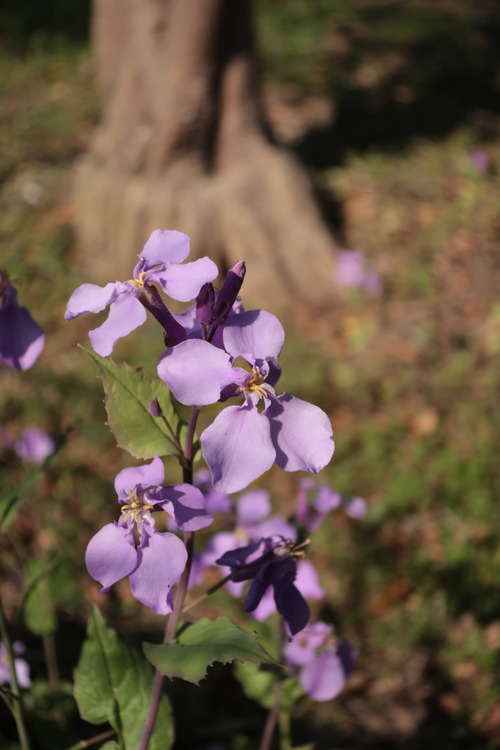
(184, 145)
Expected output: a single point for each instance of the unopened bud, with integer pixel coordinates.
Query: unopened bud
(154, 408)
(229, 292)
(205, 302)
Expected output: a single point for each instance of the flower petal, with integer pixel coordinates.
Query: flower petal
(307, 581)
(21, 339)
(125, 315)
(142, 477)
(302, 434)
(253, 506)
(92, 298)
(195, 371)
(183, 282)
(254, 335)
(237, 447)
(162, 558)
(186, 504)
(166, 246)
(111, 555)
(325, 675)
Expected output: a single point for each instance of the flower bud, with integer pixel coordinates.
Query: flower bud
(229, 292)
(154, 408)
(205, 302)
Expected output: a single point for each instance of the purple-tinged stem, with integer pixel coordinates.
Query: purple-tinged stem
(180, 592)
(272, 718)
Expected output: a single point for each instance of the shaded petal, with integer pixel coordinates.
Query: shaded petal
(125, 315)
(292, 607)
(142, 477)
(302, 434)
(253, 335)
(186, 504)
(183, 282)
(325, 675)
(21, 339)
(195, 371)
(166, 246)
(111, 555)
(301, 649)
(92, 298)
(161, 559)
(253, 506)
(237, 447)
(266, 607)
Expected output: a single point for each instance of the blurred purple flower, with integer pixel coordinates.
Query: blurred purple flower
(34, 445)
(270, 563)
(244, 442)
(322, 661)
(21, 339)
(157, 562)
(160, 262)
(351, 271)
(479, 160)
(22, 667)
(315, 501)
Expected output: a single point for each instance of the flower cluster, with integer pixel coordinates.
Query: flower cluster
(21, 339)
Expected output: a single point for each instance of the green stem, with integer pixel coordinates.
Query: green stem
(93, 740)
(17, 703)
(272, 718)
(180, 592)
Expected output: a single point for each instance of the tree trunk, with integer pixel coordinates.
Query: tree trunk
(184, 145)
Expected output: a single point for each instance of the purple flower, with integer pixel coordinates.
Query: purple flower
(243, 442)
(21, 339)
(160, 262)
(270, 563)
(315, 501)
(323, 662)
(306, 581)
(22, 667)
(351, 271)
(157, 562)
(479, 160)
(34, 445)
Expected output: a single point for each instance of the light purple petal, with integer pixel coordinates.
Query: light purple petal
(302, 434)
(323, 677)
(302, 648)
(22, 673)
(166, 246)
(254, 335)
(92, 298)
(111, 555)
(183, 282)
(356, 508)
(266, 607)
(271, 526)
(35, 445)
(161, 559)
(237, 447)
(195, 371)
(307, 581)
(253, 506)
(21, 339)
(143, 477)
(186, 504)
(125, 315)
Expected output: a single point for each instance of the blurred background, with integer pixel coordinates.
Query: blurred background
(392, 109)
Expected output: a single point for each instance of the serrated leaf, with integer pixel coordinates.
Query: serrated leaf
(202, 644)
(113, 683)
(128, 392)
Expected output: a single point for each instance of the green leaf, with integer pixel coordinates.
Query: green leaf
(113, 683)
(128, 392)
(258, 684)
(202, 644)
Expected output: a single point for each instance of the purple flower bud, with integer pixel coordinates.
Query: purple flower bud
(155, 408)
(230, 289)
(205, 302)
(21, 339)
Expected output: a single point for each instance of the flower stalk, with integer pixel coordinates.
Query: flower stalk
(17, 702)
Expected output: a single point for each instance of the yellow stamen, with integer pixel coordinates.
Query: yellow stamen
(139, 281)
(254, 384)
(135, 508)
